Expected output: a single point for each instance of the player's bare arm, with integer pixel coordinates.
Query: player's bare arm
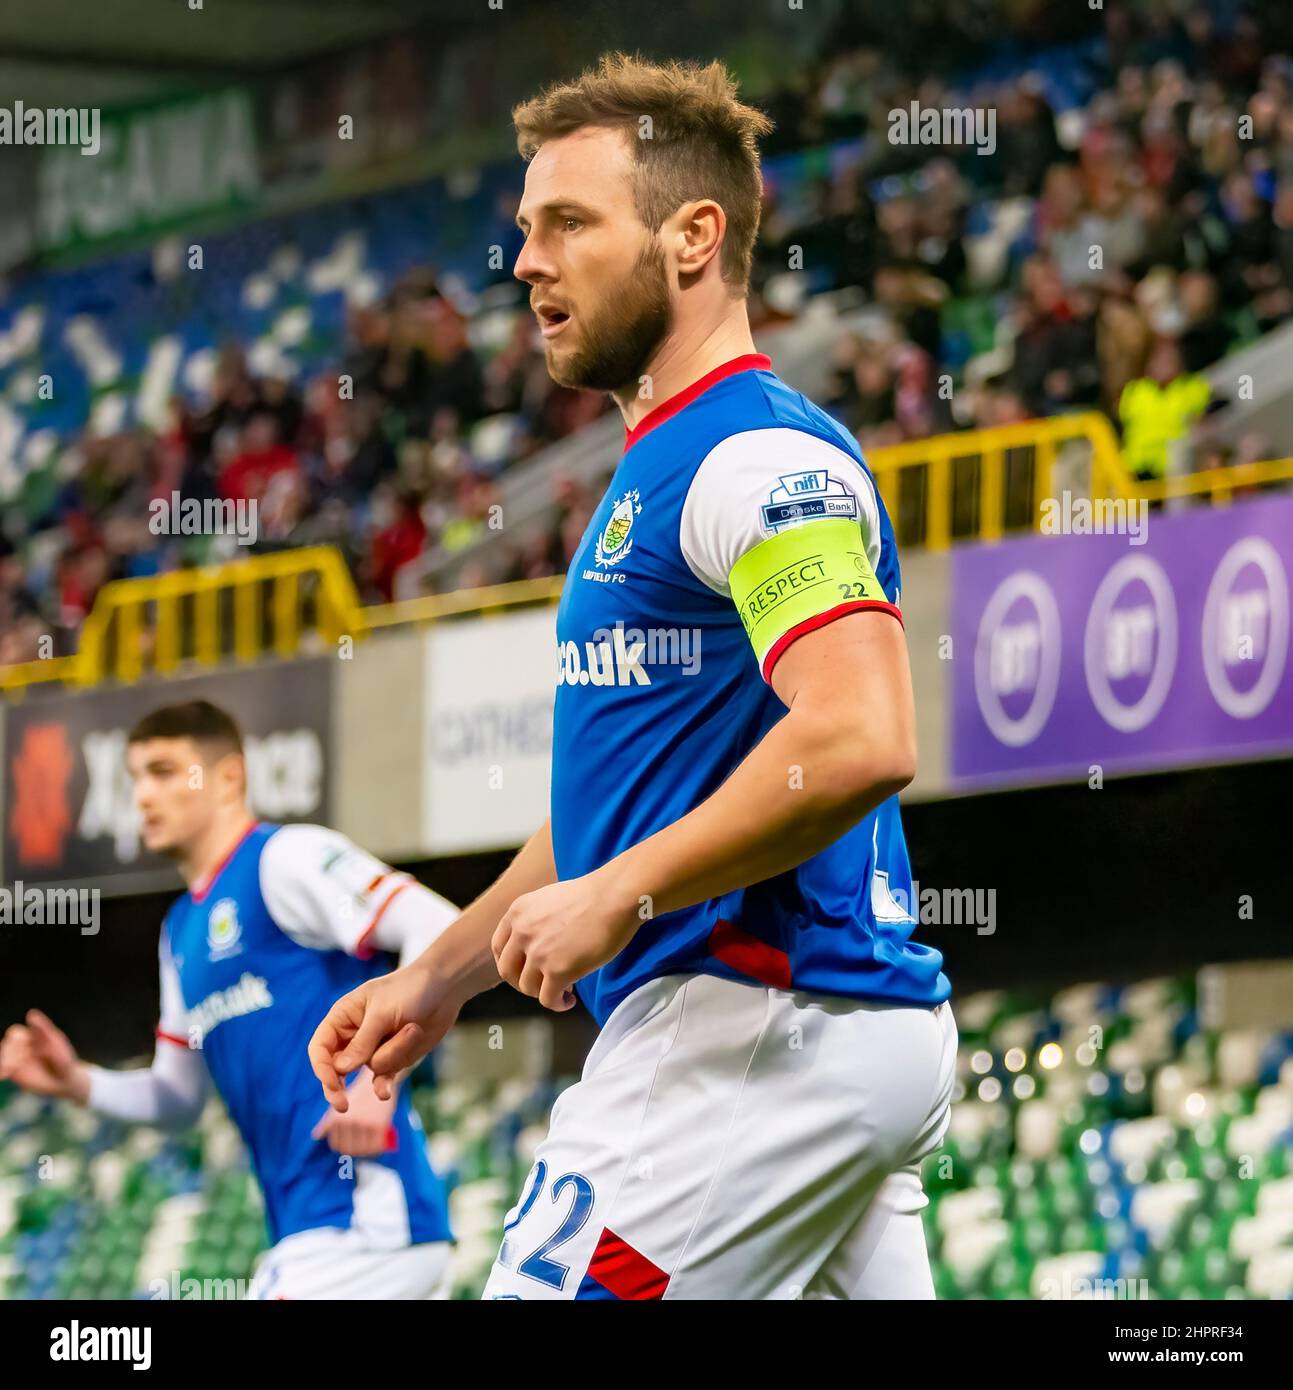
(392, 1022)
(847, 743)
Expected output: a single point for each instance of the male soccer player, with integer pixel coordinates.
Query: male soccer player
(723, 878)
(276, 923)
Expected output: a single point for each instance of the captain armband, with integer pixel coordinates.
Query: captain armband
(801, 579)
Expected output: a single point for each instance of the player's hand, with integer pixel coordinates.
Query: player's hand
(365, 1130)
(554, 936)
(38, 1057)
(389, 1024)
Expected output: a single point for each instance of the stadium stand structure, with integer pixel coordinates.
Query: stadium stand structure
(967, 269)
(1107, 1142)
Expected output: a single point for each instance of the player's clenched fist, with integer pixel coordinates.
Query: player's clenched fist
(39, 1058)
(365, 1130)
(389, 1024)
(556, 935)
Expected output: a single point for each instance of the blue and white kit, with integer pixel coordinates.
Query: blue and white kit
(774, 1063)
(250, 961)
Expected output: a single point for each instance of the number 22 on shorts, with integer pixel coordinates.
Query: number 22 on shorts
(538, 1264)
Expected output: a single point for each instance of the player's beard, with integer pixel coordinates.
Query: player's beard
(622, 337)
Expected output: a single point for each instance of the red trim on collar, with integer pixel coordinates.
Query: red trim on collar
(749, 362)
(197, 894)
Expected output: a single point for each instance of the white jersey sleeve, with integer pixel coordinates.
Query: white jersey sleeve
(749, 487)
(787, 525)
(325, 892)
(173, 1019)
(170, 1093)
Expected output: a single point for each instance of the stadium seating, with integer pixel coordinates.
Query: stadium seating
(952, 254)
(1103, 1145)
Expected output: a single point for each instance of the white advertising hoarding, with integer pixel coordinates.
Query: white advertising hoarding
(490, 687)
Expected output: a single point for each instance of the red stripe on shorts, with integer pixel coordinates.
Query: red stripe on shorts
(626, 1272)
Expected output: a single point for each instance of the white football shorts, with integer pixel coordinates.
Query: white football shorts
(331, 1263)
(734, 1141)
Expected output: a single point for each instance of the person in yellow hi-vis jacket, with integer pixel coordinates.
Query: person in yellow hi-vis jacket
(1159, 408)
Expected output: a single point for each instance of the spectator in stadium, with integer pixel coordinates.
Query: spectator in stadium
(368, 332)
(1061, 224)
(454, 379)
(21, 625)
(1055, 364)
(1194, 224)
(260, 456)
(475, 496)
(81, 574)
(363, 447)
(511, 375)
(1123, 340)
(863, 397)
(1163, 238)
(1204, 335)
(1157, 410)
(234, 397)
(398, 539)
(1027, 144)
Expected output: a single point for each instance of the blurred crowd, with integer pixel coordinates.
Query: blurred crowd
(1130, 243)
(984, 305)
(393, 456)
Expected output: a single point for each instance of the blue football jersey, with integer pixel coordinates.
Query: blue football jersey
(740, 517)
(252, 996)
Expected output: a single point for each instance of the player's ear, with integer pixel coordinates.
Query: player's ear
(232, 772)
(701, 226)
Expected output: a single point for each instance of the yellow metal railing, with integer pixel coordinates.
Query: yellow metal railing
(975, 485)
(955, 486)
(491, 599)
(25, 673)
(233, 611)
(1218, 485)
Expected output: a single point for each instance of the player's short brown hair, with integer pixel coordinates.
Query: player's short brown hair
(206, 724)
(690, 135)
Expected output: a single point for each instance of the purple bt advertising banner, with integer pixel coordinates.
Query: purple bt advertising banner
(1165, 645)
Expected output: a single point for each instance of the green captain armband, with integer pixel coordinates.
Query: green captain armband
(803, 578)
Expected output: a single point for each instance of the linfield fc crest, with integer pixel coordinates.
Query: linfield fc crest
(615, 542)
(805, 497)
(224, 931)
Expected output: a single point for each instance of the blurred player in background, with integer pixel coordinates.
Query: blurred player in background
(724, 877)
(276, 923)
